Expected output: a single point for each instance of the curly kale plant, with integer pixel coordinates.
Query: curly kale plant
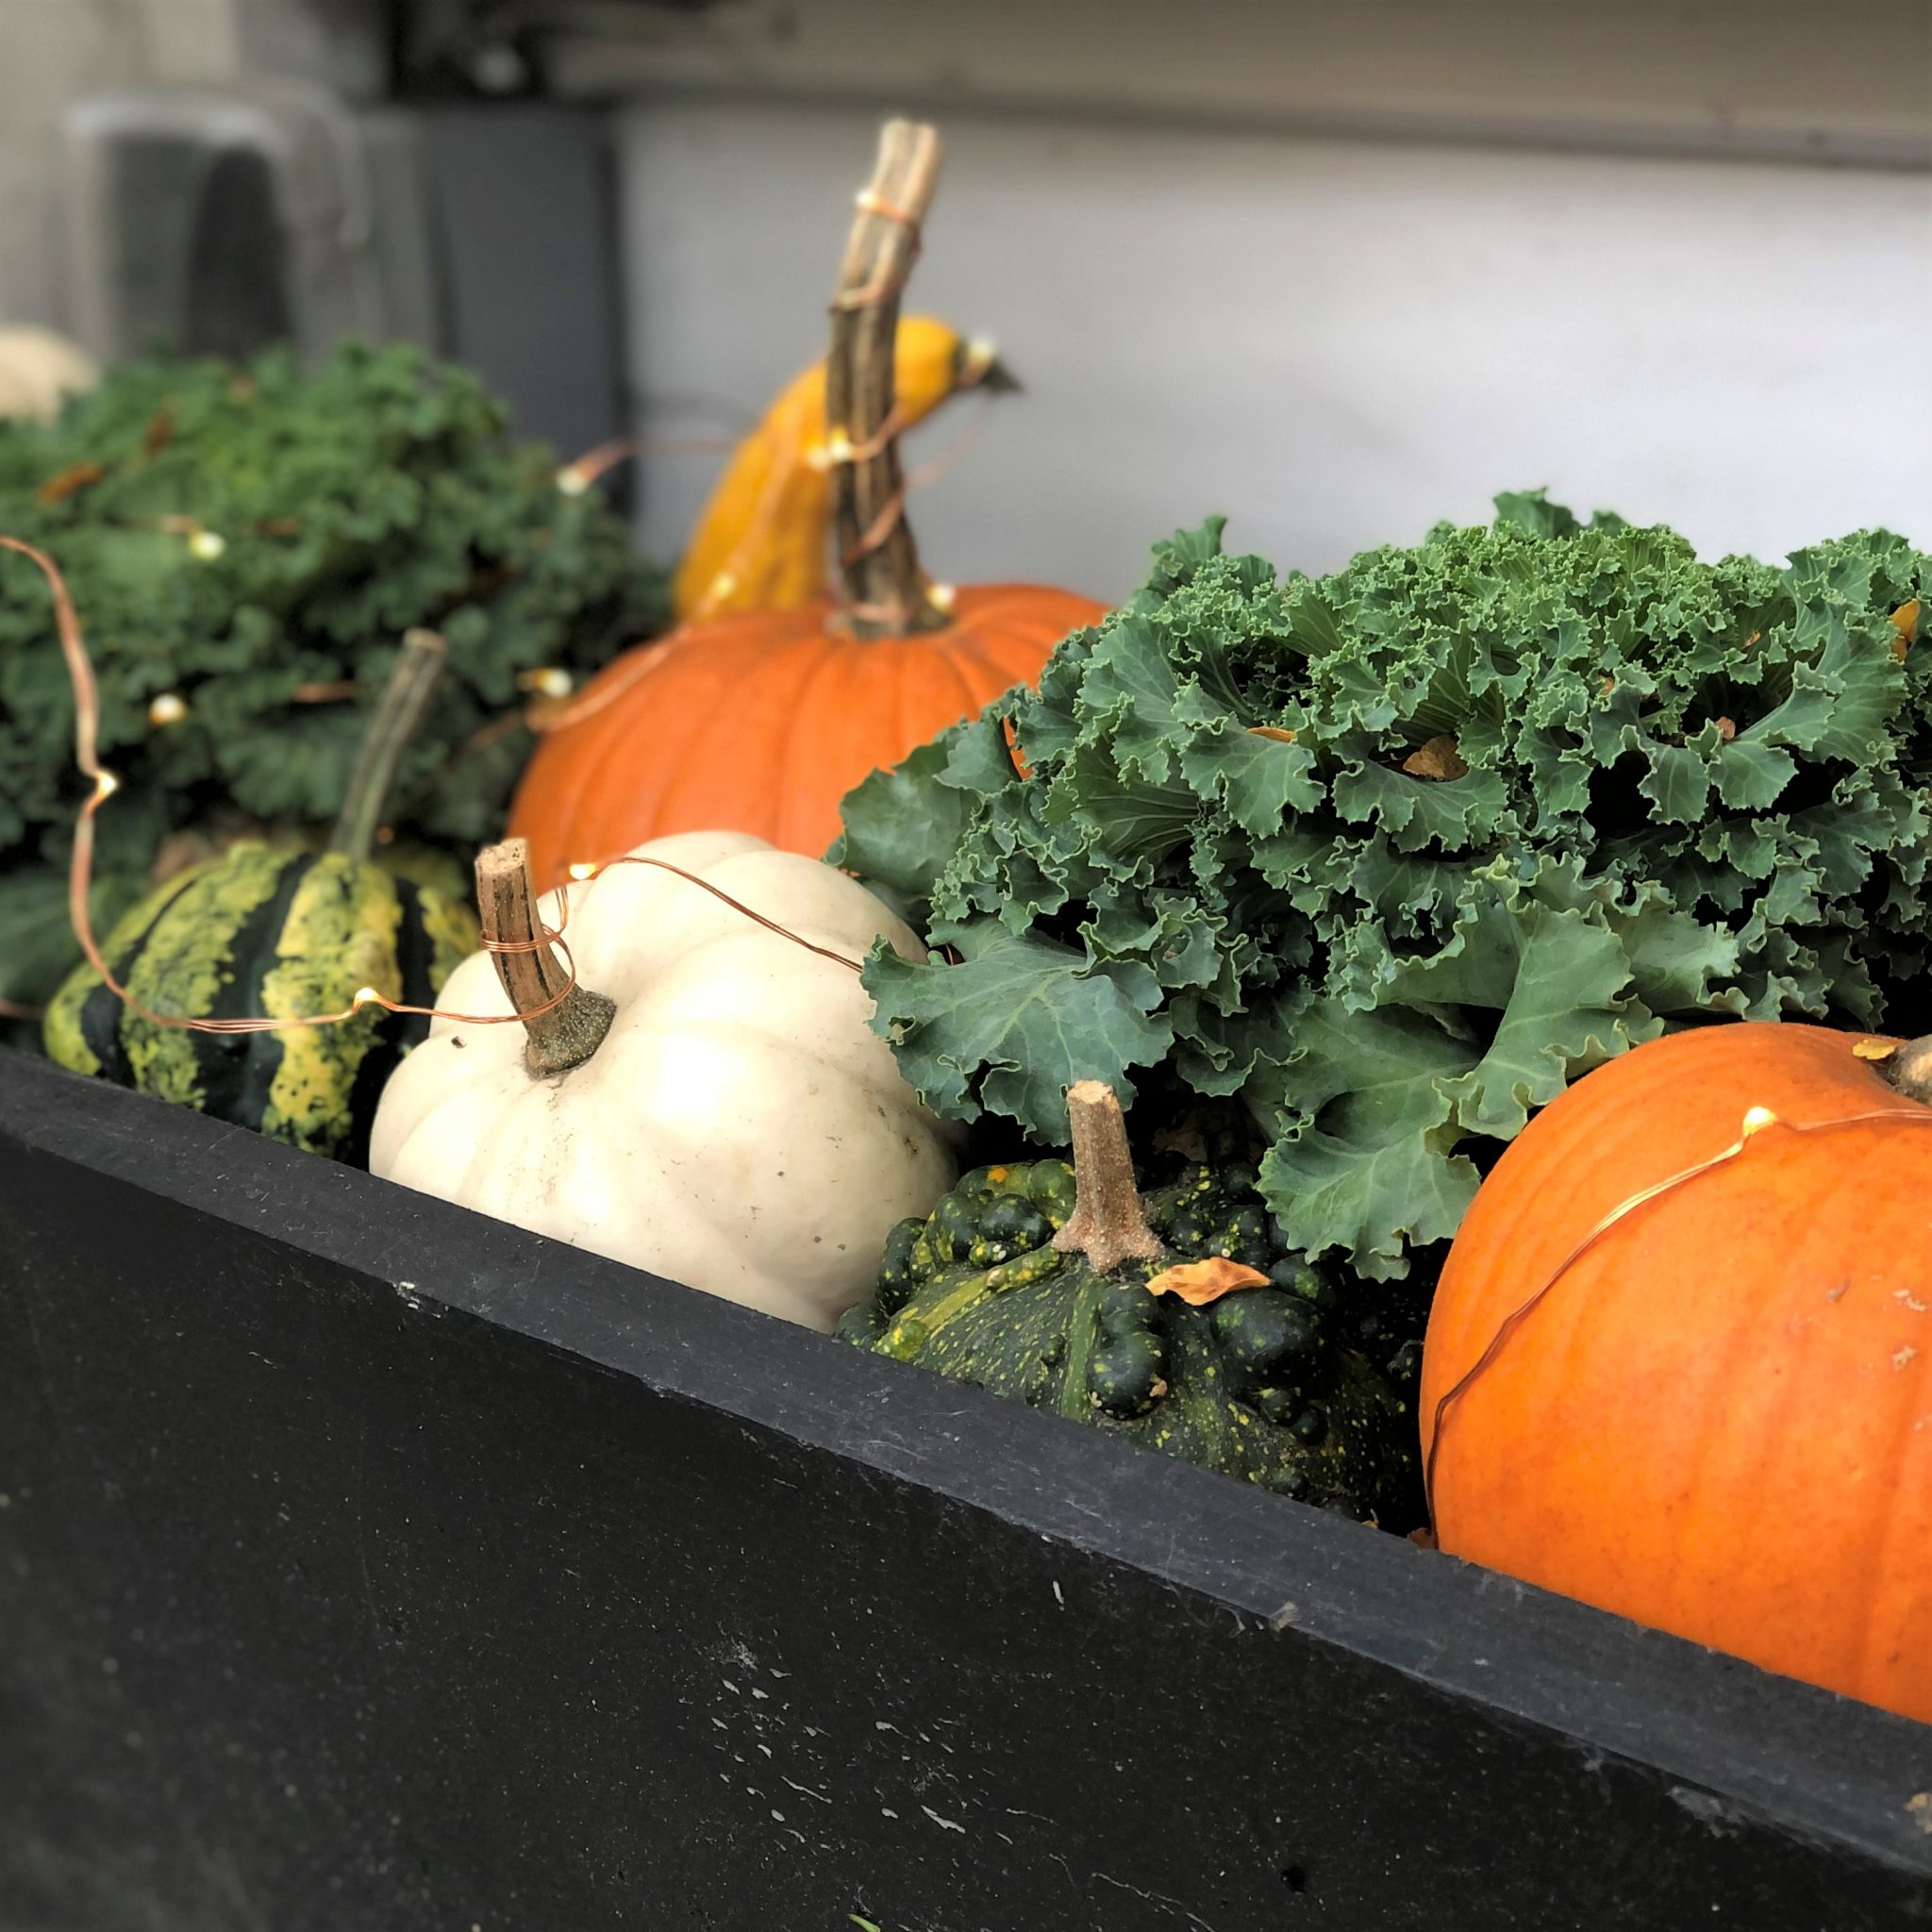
(1393, 855)
(245, 543)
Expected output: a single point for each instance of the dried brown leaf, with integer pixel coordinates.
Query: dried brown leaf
(1197, 1283)
(1439, 759)
(71, 481)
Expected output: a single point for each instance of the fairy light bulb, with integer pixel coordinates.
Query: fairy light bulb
(1757, 1118)
(572, 480)
(582, 871)
(839, 447)
(551, 681)
(366, 996)
(942, 596)
(106, 784)
(208, 544)
(724, 584)
(169, 708)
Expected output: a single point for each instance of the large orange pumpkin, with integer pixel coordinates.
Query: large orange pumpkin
(760, 722)
(1714, 1415)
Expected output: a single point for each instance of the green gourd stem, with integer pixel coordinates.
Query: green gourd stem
(879, 557)
(562, 1032)
(418, 665)
(1107, 1225)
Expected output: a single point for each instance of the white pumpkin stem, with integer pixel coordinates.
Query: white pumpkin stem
(1107, 1225)
(885, 589)
(398, 711)
(565, 1028)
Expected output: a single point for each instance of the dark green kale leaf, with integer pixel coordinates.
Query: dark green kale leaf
(233, 536)
(1396, 854)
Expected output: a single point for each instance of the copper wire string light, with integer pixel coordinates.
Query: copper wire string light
(557, 716)
(87, 710)
(577, 478)
(970, 431)
(883, 288)
(1756, 1120)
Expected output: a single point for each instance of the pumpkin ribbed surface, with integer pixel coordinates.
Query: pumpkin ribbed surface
(762, 723)
(729, 1120)
(1719, 1420)
(281, 933)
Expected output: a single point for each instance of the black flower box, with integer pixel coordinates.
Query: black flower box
(365, 1564)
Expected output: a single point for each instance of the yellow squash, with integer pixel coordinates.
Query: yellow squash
(761, 542)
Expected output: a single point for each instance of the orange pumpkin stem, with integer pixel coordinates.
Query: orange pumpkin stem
(886, 591)
(1907, 1070)
(1107, 1225)
(565, 1023)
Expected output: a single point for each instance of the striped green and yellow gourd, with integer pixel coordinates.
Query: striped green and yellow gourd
(280, 932)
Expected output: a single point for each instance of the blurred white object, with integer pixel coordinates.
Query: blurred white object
(38, 370)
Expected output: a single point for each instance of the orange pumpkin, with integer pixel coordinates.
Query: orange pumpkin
(760, 722)
(1713, 1414)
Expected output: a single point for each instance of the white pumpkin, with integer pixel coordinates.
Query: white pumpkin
(38, 370)
(738, 1128)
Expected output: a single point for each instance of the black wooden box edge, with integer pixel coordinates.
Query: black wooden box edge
(1749, 1759)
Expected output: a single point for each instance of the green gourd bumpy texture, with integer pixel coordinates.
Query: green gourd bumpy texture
(1386, 859)
(1266, 1385)
(275, 932)
(380, 493)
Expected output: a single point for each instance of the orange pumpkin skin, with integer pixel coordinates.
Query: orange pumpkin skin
(1719, 1421)
(762, 721)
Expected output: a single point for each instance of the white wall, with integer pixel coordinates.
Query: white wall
(1335, 342)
